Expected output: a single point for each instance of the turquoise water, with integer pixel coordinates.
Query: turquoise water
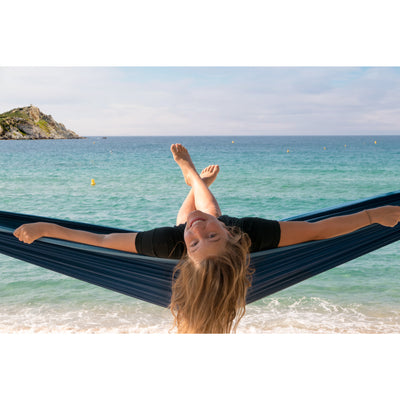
(138, 186)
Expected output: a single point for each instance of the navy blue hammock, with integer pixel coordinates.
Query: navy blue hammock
(150, 279)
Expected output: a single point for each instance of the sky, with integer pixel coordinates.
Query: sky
(120, 101)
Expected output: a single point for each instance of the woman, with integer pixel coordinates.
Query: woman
(213, 275)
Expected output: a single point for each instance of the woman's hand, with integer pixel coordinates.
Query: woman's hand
(28, 233)
(293, 232)
(386, 216)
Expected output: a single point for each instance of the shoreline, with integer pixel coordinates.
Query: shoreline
(100, 331)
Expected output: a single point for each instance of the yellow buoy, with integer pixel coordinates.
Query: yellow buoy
(93, 182)
(233, 141)
(287, 151)
(324, 148)
(345, 145)
(375, 142)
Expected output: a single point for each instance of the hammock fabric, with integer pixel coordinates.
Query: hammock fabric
(150, 279)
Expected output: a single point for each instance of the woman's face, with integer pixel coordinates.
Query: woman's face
(205, 236)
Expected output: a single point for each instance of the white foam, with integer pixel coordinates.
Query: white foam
(114, 319)
(271, 315)
(315, 315)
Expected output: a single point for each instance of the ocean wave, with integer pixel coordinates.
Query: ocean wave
(291, 315)
(316, 315)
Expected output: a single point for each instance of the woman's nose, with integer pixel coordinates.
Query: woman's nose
(198, 229)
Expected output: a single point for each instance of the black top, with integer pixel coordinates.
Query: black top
(168, 242)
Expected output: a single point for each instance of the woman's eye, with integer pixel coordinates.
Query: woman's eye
(193, 244)
(212, 235)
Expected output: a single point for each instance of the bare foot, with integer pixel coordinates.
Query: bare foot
(209, 174)
(182, 158)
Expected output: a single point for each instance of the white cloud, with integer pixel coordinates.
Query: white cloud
(140, 101)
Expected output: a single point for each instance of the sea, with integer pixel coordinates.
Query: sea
(139, 186)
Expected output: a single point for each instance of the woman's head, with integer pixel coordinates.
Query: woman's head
(209, 294)
(205, 236)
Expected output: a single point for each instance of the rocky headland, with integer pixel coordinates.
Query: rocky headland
(30, 123)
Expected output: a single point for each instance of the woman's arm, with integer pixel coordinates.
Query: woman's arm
(293, 232)
(28, 233)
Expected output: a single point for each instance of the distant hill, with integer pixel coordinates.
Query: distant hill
(31, 123)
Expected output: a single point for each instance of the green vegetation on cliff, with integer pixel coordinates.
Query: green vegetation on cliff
(31, 123)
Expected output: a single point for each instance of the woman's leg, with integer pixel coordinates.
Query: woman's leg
(204, 200)
(208, 175)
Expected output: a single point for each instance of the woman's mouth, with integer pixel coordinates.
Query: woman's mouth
(195, 221)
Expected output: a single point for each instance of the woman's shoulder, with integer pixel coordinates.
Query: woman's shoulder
(264, 233)
(228, 220)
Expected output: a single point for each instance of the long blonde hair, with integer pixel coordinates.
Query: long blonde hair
(210, 297)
